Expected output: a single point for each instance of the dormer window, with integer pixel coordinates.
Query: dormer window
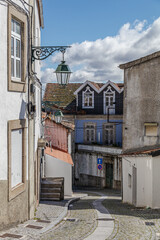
(109, 101)
(88, 98)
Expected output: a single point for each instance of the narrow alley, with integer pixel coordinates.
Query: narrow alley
(94, 215)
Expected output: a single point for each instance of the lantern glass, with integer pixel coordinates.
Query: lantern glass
(58, 116)
(63, 73)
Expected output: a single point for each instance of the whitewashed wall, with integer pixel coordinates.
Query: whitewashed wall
(37, 70)
(156, 182)
(13, 104)
(57, 168)
(144, 179)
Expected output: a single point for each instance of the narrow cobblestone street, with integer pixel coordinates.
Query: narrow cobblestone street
(80, 221)
(98, 215)
(130, 223)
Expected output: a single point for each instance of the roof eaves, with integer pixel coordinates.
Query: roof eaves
(113, 85)
(40, 6)
(140, 60)
(83, 85)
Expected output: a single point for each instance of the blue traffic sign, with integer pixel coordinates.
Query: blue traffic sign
(99, 160)
(99, 166)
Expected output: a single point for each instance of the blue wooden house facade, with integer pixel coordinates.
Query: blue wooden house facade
(100, 108)
(97, 112)
(98, 134)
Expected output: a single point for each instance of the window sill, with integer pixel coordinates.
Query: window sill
(16, 86)
(15, 191)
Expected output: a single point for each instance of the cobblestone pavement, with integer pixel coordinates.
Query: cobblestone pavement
(79, 223)
(132, 223)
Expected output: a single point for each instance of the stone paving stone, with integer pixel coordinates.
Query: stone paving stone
(85, 223)
(130, 221)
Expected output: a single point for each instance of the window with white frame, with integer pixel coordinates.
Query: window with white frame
(88, 98)
(15, 50)
(90, 132)
(109, 134)
(109, 101)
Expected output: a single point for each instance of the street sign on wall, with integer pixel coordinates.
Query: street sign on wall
(99, 166)
(99, 160)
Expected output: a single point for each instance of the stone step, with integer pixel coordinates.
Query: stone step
(53, 179)
(50, 199)
(50, 195)
(51, 190)
(51, 185)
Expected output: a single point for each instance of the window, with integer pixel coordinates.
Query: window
(109, 134)
(17, 49)
(17, 157)
(90, 132)
(88, 98)
(109, 101)
(129, 180)
(151, 129)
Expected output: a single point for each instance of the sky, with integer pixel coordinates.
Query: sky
(103, 34)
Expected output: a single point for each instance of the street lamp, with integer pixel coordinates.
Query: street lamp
(63, 71)
(58, 116)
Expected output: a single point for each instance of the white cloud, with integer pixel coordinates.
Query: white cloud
(99, 60)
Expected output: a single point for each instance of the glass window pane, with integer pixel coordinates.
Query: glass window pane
(17, 68)
(90, 102)
(111, 101)
(18, 28)
(17, 48)
(107, 101)
(12, 25)
(12, 46)
(12, 67)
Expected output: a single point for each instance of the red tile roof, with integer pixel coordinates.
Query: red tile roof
(66, 157)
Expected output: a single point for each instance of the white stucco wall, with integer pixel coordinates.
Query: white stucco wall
(156, 182)
(37, 69)
(13, 104)
(57, 168)
(144, 168)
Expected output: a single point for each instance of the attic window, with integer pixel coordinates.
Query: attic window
(88, 98)
(151, 129)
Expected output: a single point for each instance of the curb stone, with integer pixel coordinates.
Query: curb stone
(61, 216)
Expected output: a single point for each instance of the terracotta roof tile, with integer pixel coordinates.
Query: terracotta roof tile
(66, 157)
(59, 95)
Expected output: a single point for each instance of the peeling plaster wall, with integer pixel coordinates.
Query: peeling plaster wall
(141, 103)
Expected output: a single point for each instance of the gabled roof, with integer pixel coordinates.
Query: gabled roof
(64, 98)
(91, 84)
(117, 86)
(98, 87)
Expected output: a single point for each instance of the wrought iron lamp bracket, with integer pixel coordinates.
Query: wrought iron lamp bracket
(43, 52)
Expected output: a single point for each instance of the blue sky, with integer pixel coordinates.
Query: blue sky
(103, 34)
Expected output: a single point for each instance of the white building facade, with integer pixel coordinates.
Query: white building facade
(141, 131)
(20, 124)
